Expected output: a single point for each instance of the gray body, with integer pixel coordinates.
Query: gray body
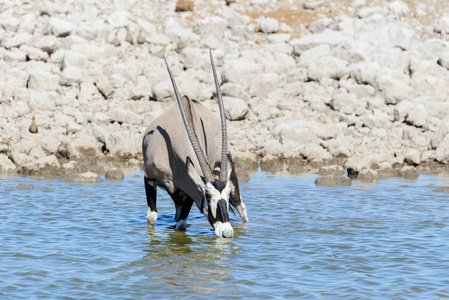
(166, 147)
(171, 163)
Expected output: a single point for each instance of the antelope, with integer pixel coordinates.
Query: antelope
(186, 154)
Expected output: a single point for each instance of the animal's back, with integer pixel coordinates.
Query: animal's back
(166, 144)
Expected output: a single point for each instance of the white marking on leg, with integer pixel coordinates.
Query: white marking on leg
(151, 216)
(181, 225)
(223, 229)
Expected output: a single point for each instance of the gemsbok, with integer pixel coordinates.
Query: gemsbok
(186, 153)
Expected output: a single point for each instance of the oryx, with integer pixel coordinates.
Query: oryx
(183, 150)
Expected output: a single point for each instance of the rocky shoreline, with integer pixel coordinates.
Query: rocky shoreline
(363, 94)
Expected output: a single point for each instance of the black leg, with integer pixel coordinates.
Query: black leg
(183, 204)
(150, 190)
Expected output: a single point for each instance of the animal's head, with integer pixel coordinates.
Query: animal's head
(216, 191)
(216, 199)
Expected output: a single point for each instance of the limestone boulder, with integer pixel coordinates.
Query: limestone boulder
(331, 180)
(47, 165)
(328, 67)
(114, 174)
(6, 165)
(236, 109)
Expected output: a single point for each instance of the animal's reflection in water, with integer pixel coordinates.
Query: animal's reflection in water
(194, 260)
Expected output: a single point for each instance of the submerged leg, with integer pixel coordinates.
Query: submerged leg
(183, 204)
(150, 190)
(235, 196)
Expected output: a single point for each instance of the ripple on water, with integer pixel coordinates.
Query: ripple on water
(65, 239)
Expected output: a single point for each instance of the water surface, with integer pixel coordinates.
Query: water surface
(367, 241)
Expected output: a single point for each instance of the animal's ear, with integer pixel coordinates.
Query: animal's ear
(193, 174)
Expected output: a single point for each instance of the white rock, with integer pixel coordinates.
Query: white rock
(314, 151)
(71, 75)
(345, 103)
(42, 80)
(37, 152)
(50, 143)
(371, 121)
(321, 24)
(20, 159)
(263, 84)
(365, 72)
(47, 43)
(327, 37)
(88, 31)
(402, 110)
(27, 23)
(422, 9)
(14, 55)
(123, 144)
(34, 53)
(368, 175)
(267, 24)
(161, 91)
(234, 18)
(328, 67)
(118, 19)
(356, 3)
(394, 90)
(215, 26)
(398, 8)
(93, 53)
(58, 27)
(413, 156)
(126, 116)
(417, 116)
(442, 151)
(234, 90)
(75, 59)
(309, 56)
(10, 23)
(42, 100)
(240, 71)
(101, 82)
(6, 165)
(236, 109)
(44, 166)
(195, 58)
(400, 37)
(141, 89)
(89, 92)
(73, 127)
(21, 108)
(279, 38)
(367, 12)
(299, 131)
(441, 25)
(100, 132)
(18, 39)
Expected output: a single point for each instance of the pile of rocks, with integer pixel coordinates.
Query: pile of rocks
(362, 92)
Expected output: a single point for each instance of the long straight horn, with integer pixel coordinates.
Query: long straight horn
(224, 134)
(199, 154)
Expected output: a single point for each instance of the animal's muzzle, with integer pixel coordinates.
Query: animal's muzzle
(221, 223)
(224, 230)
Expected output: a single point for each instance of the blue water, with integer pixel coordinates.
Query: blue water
(366, 241)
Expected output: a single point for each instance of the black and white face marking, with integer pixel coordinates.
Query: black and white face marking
(217, 194)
